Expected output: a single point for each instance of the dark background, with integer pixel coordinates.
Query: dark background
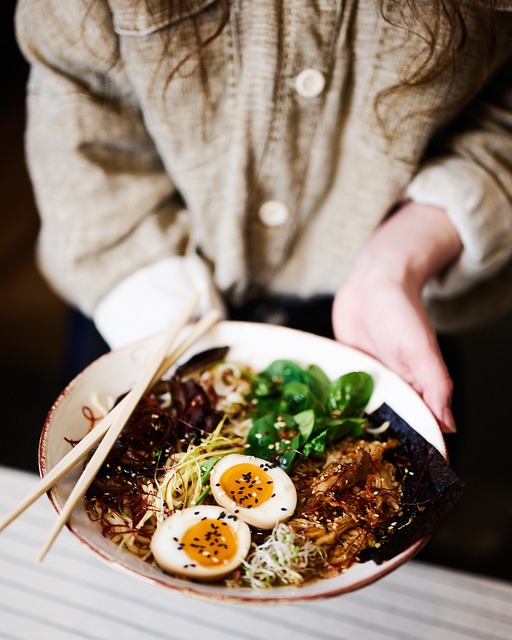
(42, 344)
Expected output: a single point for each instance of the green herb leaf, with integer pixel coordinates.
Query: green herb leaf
(334, 432)
(203, 495)
(287, 457)
(305, 422)
(261, 386)
(285, 371)
(297, 396)
(262, 437)
(206, 468)
(349, 394)
(319, 384)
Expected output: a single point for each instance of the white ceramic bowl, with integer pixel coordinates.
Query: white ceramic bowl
(257, 345)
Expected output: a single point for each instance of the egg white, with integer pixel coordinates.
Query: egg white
(169, 552)
(278, 508)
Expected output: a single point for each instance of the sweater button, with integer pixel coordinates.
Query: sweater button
(310, 83)
(273, 213)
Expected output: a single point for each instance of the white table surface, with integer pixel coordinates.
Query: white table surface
(73, 594)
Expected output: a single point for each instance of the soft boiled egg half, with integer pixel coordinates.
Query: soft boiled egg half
(203, 542)
(253, 489)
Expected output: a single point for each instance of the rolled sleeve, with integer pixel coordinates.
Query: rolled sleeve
(480, 211)
(150, 299)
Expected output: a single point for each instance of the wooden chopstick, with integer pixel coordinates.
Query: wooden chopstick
(89, 441)
(155, 368)
(197, 330)
(63, 466)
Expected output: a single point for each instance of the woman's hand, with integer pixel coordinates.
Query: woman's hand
(379, 308)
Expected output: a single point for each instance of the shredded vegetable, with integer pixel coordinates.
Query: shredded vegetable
(186, 481)
(285, 558)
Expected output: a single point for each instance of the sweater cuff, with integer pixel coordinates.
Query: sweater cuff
(480, 212)
(149, 300)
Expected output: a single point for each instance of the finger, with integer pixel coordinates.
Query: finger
(431, 379)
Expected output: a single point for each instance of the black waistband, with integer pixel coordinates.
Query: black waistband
(312, 314)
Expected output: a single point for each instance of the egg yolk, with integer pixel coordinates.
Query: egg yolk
(210, 542)
(247, 484)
